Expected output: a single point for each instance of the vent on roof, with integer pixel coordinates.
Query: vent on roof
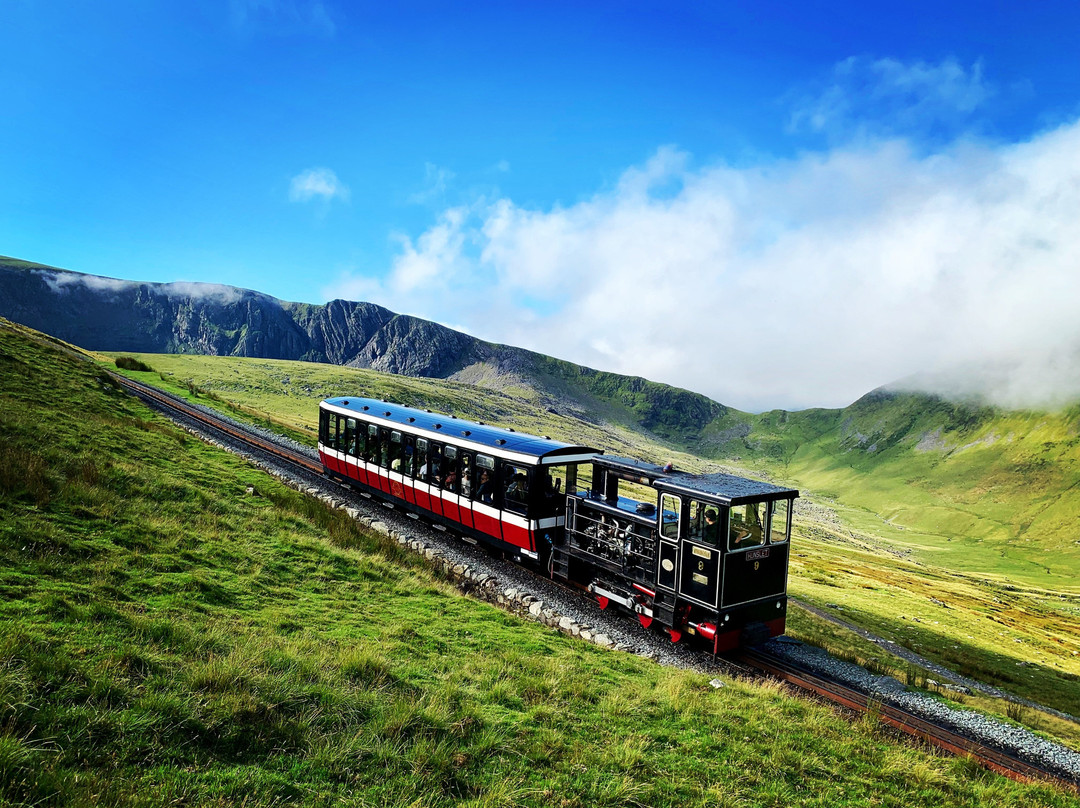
(345, 402)
(387, 413)
(426, 409)
(547, 437)
(500, 441)
(453, 416)
(366, 407)
(438, 426)
(509, 429)
(411, 419)
(466, 432)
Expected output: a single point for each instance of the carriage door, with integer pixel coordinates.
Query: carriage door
(667, 571)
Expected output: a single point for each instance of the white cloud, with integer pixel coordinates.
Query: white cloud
(876, 97)
(797, 283)
(436, 181)
(317, 183)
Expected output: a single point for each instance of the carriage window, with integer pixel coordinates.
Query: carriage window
(466, 474)
(409, 462)
(449, 468)
(516, 492)
(705, 522)
(324, 427)
(746, 529)
(349, 443)
(335, 431)
(779, 521)
(433, 472)
(371, 449)
(669, 524)
(395, 451)
(485, 479)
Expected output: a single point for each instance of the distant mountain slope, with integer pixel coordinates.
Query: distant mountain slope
(114, 315)
(947, 471)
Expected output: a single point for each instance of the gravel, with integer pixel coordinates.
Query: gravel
(541, 599)
(976, 726)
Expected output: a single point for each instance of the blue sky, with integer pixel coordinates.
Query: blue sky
(775, 204)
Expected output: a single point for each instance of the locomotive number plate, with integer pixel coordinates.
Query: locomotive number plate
(755, 554)
(701, 552)
(701, 579)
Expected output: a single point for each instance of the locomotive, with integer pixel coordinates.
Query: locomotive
(702, 555)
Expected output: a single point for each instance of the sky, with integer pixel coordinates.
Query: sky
(779, 205)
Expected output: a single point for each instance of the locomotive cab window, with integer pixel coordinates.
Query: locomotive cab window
(746, 526)
(705, 522)
(669, 516)
(779, 521)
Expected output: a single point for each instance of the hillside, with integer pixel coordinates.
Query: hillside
(942, 477)
(167, 636)
(927, 474)
(105, 314)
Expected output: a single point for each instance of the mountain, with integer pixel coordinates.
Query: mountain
(107, 314)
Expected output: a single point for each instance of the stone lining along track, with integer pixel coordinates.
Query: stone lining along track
(1005, 748)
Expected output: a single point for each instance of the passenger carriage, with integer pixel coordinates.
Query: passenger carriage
(505, 488)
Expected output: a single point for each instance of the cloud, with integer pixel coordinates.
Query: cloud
(62, 281)
(317, 183)
(794, 283)
(436, 181)
(886, 97)
(282, 17)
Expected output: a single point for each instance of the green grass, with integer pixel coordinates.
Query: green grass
(165, 637)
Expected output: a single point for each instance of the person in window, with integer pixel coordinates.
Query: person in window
(450, 483)
(485, 491)
(711, 533)
(517, 488)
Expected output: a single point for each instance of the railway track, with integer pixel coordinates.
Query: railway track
(945, 738)
(941, 737)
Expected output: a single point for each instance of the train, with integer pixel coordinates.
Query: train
(702, 557)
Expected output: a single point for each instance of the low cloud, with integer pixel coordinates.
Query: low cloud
(317, 183)
(63, 281)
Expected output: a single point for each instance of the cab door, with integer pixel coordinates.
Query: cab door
(667, 568)
(699, 578)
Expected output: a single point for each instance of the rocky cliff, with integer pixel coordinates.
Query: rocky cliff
(107, 314)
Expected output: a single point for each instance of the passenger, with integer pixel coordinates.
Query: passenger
(450, 483)
(712, 526)
(518, 487)
(484, 491)
(422, 474)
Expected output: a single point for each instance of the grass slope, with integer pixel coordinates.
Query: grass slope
(167, 637)
(974, 488)
(1021, 638)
